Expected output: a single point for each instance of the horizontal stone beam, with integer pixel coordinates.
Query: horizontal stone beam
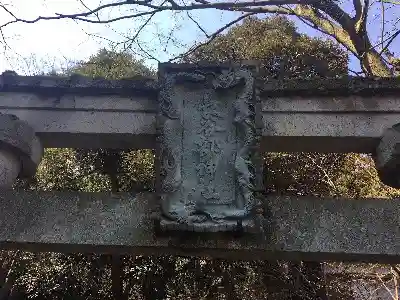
(86, 121)
(344, 123)
(296, 228)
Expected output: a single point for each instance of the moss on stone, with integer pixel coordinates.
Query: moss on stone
(330, 86)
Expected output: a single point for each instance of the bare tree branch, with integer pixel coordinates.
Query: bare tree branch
(147, 53)
(259, 9)
(83, 19)
(358, 8)
(326, 26)
(385, 286)
(198, 25)
(333, 10)
(326, 16)
(396, 270)
(392, 2)
(62, 16)
(356, 73)
(389, 41)
(361, 21)
(212, 36)
(247, 6)
(8, 11)
(141, 28)
(82, 16)
(85, 6)
(237, 5)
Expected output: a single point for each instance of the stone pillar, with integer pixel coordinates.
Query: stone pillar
(20, 150)
(387, 157)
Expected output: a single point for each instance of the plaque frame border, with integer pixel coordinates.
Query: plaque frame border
(167, 158)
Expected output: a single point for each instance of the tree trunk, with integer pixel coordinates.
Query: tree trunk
(117, 275)
(373, 64)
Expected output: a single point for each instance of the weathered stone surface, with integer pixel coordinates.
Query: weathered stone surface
(86, 121)
(387, 157)
(295, 228)
(18, 139)
(332, 104)
(10, 167)
(333, 87)
(76, 84)
(208, 140)
(326, 124)
(106, 103)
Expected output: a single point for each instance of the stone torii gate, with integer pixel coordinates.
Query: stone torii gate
(208, 123)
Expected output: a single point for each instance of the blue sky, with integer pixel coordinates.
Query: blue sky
(55, 43)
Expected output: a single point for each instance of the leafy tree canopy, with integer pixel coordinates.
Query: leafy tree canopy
(112, 65)
(283, 52)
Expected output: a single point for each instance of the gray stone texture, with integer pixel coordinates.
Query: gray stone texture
(331, 87)
(295, 228)
(387, 157)
(207, 139)
(85, 121)
(10, 167)
(17, 138)
(76, 84)
(339, 115)
(346, 115)
(310, 123)
(352, 118)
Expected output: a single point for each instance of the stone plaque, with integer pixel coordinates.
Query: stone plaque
(208, 163)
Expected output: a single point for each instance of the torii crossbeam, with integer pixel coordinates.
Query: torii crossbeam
(346, 115)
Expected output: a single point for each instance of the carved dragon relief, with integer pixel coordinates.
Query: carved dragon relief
(177, 210)
(170, 128)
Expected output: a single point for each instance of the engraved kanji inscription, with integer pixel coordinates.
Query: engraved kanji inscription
(208, 143)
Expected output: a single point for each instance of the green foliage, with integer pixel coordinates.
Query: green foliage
(100, 169)
(55, 276)
(138, 172)
(124, 174)
(61, 170)
(281, 50)
(302, 173)
(112, 65)
(58, 171)
(358, 178)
